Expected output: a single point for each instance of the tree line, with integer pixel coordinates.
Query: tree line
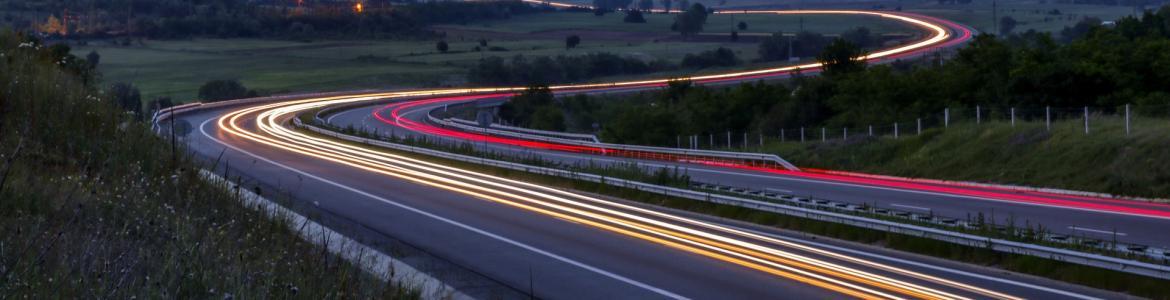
(1098, 66)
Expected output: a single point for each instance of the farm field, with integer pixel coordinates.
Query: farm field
(176, 68)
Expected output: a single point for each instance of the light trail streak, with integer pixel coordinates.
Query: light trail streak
(750, 250)
(815, 272)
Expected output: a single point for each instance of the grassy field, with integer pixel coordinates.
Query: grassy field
(177, 68)
(660, 23)
(95, 205)
(1025, 155)
(1030, 14)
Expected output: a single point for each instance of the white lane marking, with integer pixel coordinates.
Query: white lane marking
(779, 190)
(1097, 230)
(330, 119)
(203, 129)
(912, 207)
(918, 264)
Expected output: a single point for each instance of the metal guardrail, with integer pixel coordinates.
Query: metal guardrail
(731, 156)
(576, 136)
(1020, 248)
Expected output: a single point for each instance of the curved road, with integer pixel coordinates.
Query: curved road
(524, 239)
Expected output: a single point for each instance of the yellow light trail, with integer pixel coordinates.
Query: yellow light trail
(715, 241)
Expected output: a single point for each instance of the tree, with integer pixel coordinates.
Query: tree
(572, 41)
(548, 117)
(721, 57)
(734, 36)
(691, 21)
(646, 5)
(521, 108)
(1006, 25)
(634, 16)
(127, 97)
(442, 46)
(859, 36)
(666, 5)
(93, 58)
(774, 47)
(219, 90)
(841, 57)
(742, 25)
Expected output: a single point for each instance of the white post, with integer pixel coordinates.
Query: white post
(947, 117)
(844, 133)
(781, 135)
(745, 139)
(1013, 117)
(678, 141)
(978, 115)
(729, 139)
(919, 126)
(870, 130)
(802, 134)
(761, 140)
(1127, 119)
(895, 130)
(712, 141)
(823, 137)
(1048, 117)
(1086, 120)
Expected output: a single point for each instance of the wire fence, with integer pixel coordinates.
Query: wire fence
(1120, 120)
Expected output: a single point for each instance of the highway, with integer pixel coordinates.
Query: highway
(524, 239)
(569, 245)
(1107, 219)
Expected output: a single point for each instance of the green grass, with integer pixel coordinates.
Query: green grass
(1030, 14)
(1105, 161)
(94, 205)
(660, 23)
(177, 68)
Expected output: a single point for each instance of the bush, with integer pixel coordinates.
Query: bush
(220, 90)
(721, 57)
(634, 16)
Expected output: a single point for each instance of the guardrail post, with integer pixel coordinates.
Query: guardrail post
(729, 139)
(1127, 120)
(712, 142)
(1013, 117)
(978, 115)
(870, 130)
(919, 126)
(745, 141)
(1086, 120)
(802, 134)
(946, 117)
(824, 136)
(844, 133)
(895, 130)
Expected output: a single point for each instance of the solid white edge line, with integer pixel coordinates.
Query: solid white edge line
(202, 129)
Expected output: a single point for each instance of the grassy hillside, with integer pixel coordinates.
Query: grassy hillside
(93, 205)
(1104, 161)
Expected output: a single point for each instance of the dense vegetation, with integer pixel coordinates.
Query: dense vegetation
(1101, 67)
(94, 205)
